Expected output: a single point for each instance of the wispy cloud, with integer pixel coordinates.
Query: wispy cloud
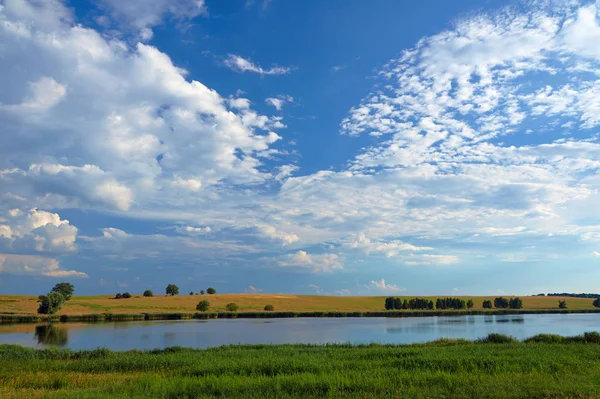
(240, 64)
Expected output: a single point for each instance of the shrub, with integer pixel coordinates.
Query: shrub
(596, 302)
(191, 292)
(203, 306)
(470, 304)
(546, 339)
(487, 304)
(592, 337)
(148, 293)
(562, 304)
(118, 296)
(515, 303)
(126, 295)
(211, 291)
(172, 290)
(51, 303)
(269, 308)
(450, 303)
(501, 303)
(232, 307)
(496, 338)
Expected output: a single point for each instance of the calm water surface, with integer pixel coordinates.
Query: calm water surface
(208, 333)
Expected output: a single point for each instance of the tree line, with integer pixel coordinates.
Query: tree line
(394, 303)
(590, 296)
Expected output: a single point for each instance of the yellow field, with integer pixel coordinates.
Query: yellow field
(79, 305)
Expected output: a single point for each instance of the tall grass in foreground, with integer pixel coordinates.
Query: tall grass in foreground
(544, 366)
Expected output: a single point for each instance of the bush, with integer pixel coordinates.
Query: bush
(172, 290)
(211, 291)
(515, 303)
(191, 292)
(592, 337)
(470, 304)
(501, 303)
(126, 295)
(232, 307)
(148, 293)
(562, 304)
(487, 304)
(203, 306)
(118, 296)
(596, 302)
(201, 292)
(546, 339)
(269, 308)
(496, 338)
(51, 303)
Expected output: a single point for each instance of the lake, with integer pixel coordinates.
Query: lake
(210, 333)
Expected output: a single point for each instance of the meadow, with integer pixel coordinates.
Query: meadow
(88, 305)
(495, 367)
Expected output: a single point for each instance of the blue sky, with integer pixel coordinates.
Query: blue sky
(331, 147)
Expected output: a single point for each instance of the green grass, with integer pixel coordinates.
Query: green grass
(544, 366)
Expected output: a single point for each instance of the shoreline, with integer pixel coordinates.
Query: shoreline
(123, 317)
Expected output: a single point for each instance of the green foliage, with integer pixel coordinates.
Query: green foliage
(201, 292)
(269, 308)
(148, 293)
(596, 302)
(487, 304)
(191, 292)
(232, 307)
(65, 289)
(51, 303)
(126, 295)
(515, 303)
(211, 291)
(119, 295)
(470, 304)
(389, 303)
(496, 338)
(495, 368)
(203, 306)
(172, 290)
(450, 303)
(501, 303)
(562, 304)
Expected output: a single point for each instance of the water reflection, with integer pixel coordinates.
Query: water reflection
(49, 334)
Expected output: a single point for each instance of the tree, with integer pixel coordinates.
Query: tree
(211, 291)
(501, 303)
(389, 303)
(51, 303)
(487, 304)
(232, 307)
(201, 292)
(562, 304)
(269, 308)
(148, 293)
(65, 289)
(172, 290)
(126, 295)
(596, 302)
(118, 296)
(203, 306)
(191, 292)
(397, 303)
(515, 303)
(470, 304)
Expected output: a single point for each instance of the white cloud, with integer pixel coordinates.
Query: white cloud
(253, 290)
(382, 286)
(190, 230)
(596, 254)
(35, 265)
(142, 15)
(279, 101)
(320, 263)
(240, 64)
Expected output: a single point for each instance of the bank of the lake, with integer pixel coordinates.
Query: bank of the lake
(552, 367)
(22, 309)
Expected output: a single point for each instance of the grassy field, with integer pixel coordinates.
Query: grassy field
(81, 305)
(554, 368)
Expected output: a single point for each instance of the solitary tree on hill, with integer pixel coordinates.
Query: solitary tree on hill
(172, 290)
(211, 291)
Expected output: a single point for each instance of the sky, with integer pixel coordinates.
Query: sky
(338, 147)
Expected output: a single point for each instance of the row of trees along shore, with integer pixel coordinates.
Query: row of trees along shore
(394, 303)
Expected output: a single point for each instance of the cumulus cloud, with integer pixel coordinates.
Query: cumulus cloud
(35, 265)
(318, 263)
(253, 290)
(382, 286)
(240, 64)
